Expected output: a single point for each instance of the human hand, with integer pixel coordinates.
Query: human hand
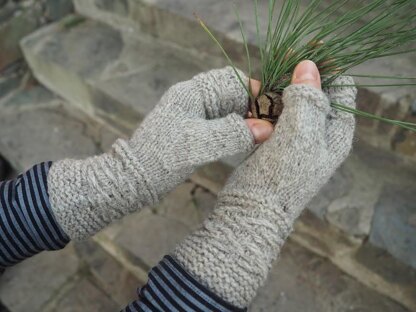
(195, 122)
(261, 129)
(233, 252)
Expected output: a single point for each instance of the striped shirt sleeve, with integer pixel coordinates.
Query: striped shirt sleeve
(171, 288)
(27, 224)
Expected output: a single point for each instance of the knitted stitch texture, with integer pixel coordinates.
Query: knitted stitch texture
(195, 122)
(234, 250)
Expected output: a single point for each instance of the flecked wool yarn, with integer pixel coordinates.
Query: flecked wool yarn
(234, 250)
(196, 122)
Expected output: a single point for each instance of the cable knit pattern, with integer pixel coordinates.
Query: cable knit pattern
(196, 122)
(234, 250)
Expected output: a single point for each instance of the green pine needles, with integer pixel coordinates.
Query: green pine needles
(335, 42)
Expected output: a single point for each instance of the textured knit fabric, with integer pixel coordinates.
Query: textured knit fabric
(195, 122)
(171, 288)
(234, 250)
(27, 225)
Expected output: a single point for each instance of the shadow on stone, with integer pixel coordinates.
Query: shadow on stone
(5, 171)
(3, 308)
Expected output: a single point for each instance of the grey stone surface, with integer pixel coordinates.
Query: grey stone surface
(8, 85)
(394, 228)
(25, 145)
(10, 79)
(187, 204)
(119, 75)
(151, 234)
(337, 187)
(18, 25)
(391, 269)
(167, 19)
(348, 200)
(119, 7)
(72, 47)
(37, 126)
(212, 176)
(19, 18)
(106, 72)
(303, 282)
(56, 9)
(299, 281)
(109, 274)
(7, 8)
(29, 285)
(84, 296)
(31, 98)
(353, 211)
(140, 91)
(173, 21)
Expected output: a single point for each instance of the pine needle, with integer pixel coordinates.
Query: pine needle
(336, 43)
(402, 124)
(250, 71)
(224, 52)
(382, 77)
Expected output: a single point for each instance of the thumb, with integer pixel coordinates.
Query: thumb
(260, 129)
(210, 140)
(306, 106)
(307, 73)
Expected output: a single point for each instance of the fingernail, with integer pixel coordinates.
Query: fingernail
(260, 129)
(307, 73)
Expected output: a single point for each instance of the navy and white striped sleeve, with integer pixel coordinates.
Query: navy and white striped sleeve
(27, 224)
(171, 288)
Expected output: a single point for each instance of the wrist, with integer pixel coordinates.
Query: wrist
(234, 250)
(87, 195)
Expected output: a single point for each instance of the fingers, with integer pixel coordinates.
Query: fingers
(344, 93)
(211, 140)
(222, 92)
(260, 129)
(307, 73)
(306, 106)
(341, 125)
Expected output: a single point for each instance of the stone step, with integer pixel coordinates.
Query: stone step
(299, 279)
(172, 23)
(367, 203)
(117, 74)
(108, 73)
(137, 243)
(20, 18)
(36, 126)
